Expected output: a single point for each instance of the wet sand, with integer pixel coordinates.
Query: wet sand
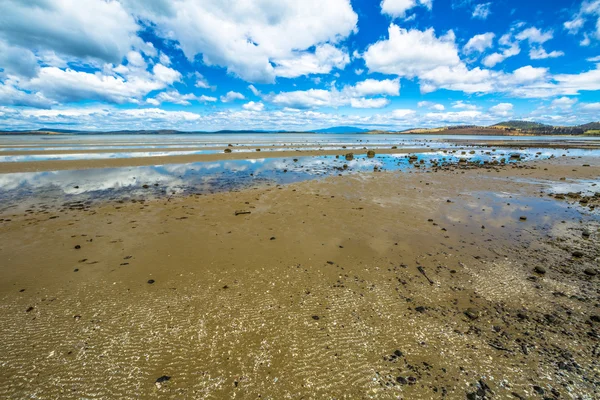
(414, 285)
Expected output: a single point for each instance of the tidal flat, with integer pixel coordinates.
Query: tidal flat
(437, 268)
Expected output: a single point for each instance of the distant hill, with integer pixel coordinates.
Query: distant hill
(341, 129)
(591, 126)
(520, 125)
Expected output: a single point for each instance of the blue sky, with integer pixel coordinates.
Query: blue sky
(296, 65)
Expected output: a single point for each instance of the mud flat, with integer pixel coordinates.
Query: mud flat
(456, 280)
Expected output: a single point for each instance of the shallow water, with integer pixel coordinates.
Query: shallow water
(215, 176)
(223, 175)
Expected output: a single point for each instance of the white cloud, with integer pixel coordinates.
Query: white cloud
(248, 38)
(370, 87)
(325, 58)
(129, 84)
(232, 96)
(174, 97)
(479, 43)
(398, 8)
(431, 106)
(369, 103)
(589, 10)
(535, 36)
(254, 90)
(585, 41)
(201, 81)
(540, 54)
(402, 113)
(354, 96)
(454, 117)
(502, 109)
(254, 106)
(96, 29)
(591, 107)
(409, 53)
(10, 95)
(528, 74)
(510, 48)
(462, 105)
(575, 25)
(563, 103)
(458, 78)
(482, 11)
(594, 59)
(305, 99)
(207, 99)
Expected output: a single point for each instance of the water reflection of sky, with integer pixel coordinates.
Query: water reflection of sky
(206, 177)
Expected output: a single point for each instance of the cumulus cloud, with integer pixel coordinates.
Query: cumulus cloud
(479, 43)
(540, 54)
(325, 58)
(535, 36)
(398, 8)
(371, 87)
(369, 103)
(409, 53)
(254, 106)
(252, 37)
(502, 109)
(117, 86)
(563, 103)
(232, 96)
(355, 96)
(95, 29)
(510, 48)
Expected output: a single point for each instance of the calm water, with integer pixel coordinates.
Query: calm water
(206, 177)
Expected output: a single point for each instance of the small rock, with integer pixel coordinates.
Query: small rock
(523, 218)
(151, 281)
(398, 353)
(540, 270)
(349, 156)
(538, 390)
(586, 233)
(77, 247)
(420, 309)
(402, 380)
(315, 317)
(227, 150)
(242, 212)
(590, 272)
(472, 313)
(595, 318)
(371, 153)
(577, 253)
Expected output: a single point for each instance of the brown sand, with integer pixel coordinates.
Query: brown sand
(310, 294)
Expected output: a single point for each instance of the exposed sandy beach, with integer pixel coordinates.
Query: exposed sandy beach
(321, 290)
